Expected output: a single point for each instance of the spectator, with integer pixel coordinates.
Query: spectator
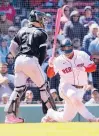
(70, 3)
(94, 51)
(87, 94)
(61, 3)
(66, 13)
(73, 29)
(76, 44)
(96, 9)
(4, 23)
(49, 51)
(48, 22)
(28, 97)
(65, 17)
(5, 98)
(8, 9)
(36, 93)
(93, 29)
(49, 3)
(54, 84)
(17, 21)
(94, 97)
(94, 45)
(3, 49)
(88, 18)
(6, 80)
(11, 33)
(31, 86)
(54, 95)
(49, 39)
(10, 62)
(64, 2)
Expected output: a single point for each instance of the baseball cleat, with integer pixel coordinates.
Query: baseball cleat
(94, 120)
(12, 119)
(46, 119)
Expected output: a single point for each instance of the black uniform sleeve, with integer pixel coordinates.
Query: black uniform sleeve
(42, 54)
(41, 38)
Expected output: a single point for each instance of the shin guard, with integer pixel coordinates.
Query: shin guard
(14, 101)
(47, 99)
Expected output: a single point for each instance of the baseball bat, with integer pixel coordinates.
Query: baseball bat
(50, 72)
(57, 27)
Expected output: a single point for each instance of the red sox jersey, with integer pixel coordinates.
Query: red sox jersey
(72, 71)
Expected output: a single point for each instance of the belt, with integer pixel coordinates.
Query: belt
(31, 56)
(77, 86)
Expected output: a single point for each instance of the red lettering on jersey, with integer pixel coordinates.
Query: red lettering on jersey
(67, 70)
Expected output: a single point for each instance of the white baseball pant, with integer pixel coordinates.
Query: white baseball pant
(73, 105)
(28, 67)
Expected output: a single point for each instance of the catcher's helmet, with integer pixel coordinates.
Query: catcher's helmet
(37, 16)
(67, 43)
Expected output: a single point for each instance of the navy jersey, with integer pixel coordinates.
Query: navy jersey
(32, 41)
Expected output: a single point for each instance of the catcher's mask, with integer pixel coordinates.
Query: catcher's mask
(37, 16)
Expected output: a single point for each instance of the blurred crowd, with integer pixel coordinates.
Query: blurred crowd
(81, 26)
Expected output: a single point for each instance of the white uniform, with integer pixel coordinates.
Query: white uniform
(72, 72)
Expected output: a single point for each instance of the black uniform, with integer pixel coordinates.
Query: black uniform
(32, 42)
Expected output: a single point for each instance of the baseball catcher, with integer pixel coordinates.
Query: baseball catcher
(29, 49)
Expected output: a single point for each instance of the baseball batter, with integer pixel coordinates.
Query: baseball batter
(72, 67)
(29, 48)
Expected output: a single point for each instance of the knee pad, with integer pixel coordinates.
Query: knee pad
(14, 101)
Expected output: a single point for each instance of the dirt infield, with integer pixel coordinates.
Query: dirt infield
(50, 129)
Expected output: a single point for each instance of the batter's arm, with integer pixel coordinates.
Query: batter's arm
(89, 65)
(90, 68)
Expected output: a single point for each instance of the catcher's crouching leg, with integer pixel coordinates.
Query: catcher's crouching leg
(47, 99)
(12, 106)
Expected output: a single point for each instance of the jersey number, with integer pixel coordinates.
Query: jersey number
(26, 40)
